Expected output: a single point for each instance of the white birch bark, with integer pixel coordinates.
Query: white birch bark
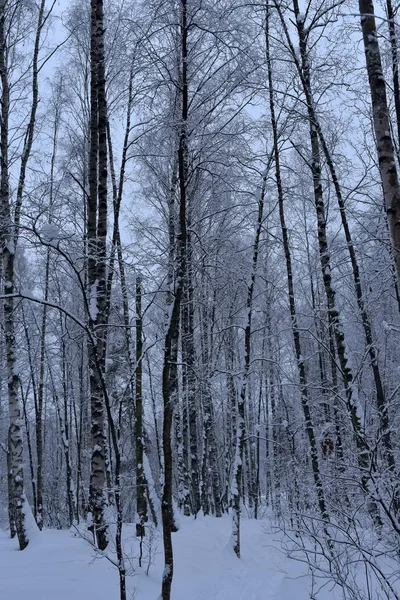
(380, 114)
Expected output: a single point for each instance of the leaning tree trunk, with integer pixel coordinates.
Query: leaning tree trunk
(395, 68)
(25, 157)
(380, 113)
(25, 412)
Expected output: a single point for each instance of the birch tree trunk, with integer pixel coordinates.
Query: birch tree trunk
(96, 235)
(395, 68)
(380, 113)
(8, 247)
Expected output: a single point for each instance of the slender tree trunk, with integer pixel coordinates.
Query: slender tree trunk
(211, 477)
(189, 379)
(117, 190)
(141, 506)
(182, 455)
(27, 428)
(275, 420)
(30, 129)
(241, 410)
(231, 410)
(30, 452)
(11, 512)
(39, 404)
(258, 447)
(78, 419)
(65, 429)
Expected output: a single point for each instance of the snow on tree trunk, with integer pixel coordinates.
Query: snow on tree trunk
(8, 247)
(96, 234)
(380, 113)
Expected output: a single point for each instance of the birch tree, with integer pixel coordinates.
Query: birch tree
(96, 235)
(8, 246)
(380, 113)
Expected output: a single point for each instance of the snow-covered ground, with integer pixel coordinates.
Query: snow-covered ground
(60, 566)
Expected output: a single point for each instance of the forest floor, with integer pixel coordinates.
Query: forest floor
(58, 565)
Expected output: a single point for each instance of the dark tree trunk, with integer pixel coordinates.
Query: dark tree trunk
(96, 235)
(169, 377)
(141, 505)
